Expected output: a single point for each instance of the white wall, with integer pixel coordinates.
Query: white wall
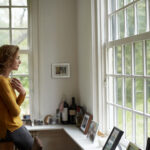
(57, 44)
(64, 35)
(85, 53)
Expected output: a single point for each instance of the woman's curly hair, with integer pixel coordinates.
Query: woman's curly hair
(7, 55)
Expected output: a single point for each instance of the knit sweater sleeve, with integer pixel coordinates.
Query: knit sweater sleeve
(20, 99)
(8, 98)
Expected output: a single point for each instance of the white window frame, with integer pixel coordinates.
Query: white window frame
(103, 45)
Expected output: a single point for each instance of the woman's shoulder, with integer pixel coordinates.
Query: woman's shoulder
(4, 79)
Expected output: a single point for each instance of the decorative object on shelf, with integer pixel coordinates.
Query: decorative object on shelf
(47, 119)
(148, 144)
(61, 70)
(92, 132)
(86, 123)
(113, 139)
(38, 122)
(132, 146)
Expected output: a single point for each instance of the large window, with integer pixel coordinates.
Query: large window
(128, 68)
(14, 29)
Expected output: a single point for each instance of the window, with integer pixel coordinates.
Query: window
(14, 29)
(128, 68)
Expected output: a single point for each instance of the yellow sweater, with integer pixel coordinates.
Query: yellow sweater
(9, 107)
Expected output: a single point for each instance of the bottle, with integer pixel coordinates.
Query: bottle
(72, 112)
(79, 116)
(64, 113)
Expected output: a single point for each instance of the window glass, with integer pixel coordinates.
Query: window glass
(138, 58)
(19, 2)
(25, 107)
(110, 118)
(110, 60)
(128, 59)
(4, 18)
(19, 18)
(148, 95)
(121, 29)
(129, 125)
(141, 16)
(20, 38)
(110, 89)
(130, 21)
(119, 91)
(4, 38)
(128, 1)
(4, 2)
(148, 57)
(120, 3)
(139, 94)
(128, 92)
(113, 27)
(120, 118)
(139, 130)
(118, 59)
(148, 128)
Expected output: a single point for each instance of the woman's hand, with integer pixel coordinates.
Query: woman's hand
(16, 84)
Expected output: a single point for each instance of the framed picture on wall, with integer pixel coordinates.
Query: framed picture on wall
(86, 123)
(61, 70)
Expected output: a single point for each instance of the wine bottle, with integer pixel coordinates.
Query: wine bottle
(64, 113)
(72, 112)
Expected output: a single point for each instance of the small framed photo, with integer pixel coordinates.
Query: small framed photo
(93, 129)
(61, 70)
(148, 144)
(132, 146)
(113, 139)
(86, 123)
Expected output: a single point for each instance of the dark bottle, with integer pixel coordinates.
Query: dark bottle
(72, 112)
(64, 114)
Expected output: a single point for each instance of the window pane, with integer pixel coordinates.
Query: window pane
(19, 18)
(128, 92)
(120, 118)
(25, 107)
(138, 58)
(128, 1)
(129, 125)
(149, 127)
(110, 118)
(23, 69)
(113, 5)
(148, 57)
(113, 27)
(110, 89)
(110, 60)
(4, 38)
(118, 58)
(148, 95)
(121, 24)
(19, 2)
(19, 38)
(120, 3)
(139, 94)
(141, 16)
(130, 21)
(139, 130)
(4, 2)
(119, 91)
(128, 59)
(4, 17)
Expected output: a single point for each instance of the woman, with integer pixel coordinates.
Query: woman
(11, 126)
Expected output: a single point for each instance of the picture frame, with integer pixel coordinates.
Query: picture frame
(92, 131)
(132, 146)
(113, 139)
(61, 70)
(148, 144)
(86, 123)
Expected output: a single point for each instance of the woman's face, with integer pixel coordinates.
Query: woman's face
(16, 62)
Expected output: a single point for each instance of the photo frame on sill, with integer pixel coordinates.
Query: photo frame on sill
(92, 131)
(132, 146)
(113, 139)
(86, 122)
(148, 144)
(61, 70)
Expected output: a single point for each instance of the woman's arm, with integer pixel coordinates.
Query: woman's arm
(8, 98)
